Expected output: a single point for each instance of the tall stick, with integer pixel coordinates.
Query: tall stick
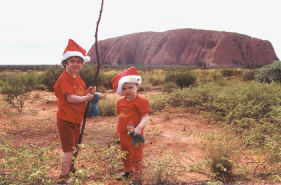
(95, 82)
(96, 45)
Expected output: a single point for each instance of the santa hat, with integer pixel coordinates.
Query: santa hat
(129, 75)
(74, 50)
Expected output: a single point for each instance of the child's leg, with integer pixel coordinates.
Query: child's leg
(69, 135)
(134, 157)
(137, 162)
(125, 146)
(66, 163)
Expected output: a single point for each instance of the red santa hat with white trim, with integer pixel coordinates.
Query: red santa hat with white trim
(74, 50)
(129, 75)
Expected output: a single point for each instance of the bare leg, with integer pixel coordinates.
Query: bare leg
(66, 163)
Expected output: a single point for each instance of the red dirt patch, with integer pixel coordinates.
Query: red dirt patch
(171, 130)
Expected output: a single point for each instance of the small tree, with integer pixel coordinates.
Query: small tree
(15, 90)
(269, 73)
(182, 78)
(49, 77)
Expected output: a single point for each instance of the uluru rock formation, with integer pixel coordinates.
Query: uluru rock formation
(185, 47)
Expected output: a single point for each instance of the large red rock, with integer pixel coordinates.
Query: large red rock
(185, 47)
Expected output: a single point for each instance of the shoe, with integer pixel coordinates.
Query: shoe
(117, 142)
(63, 180)
(73, 170)
(124, 175)
(136, 182)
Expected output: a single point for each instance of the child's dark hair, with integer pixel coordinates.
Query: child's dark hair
(64, 62)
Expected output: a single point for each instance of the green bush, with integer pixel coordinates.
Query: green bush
(104, 79)
(165, 170)
(50, 76)
(15, 89)
(33, 80)
(154, 77)
(230, 72)
(158, 102)
(87, 73)
(242, 100)
(252, 109)
(107, 107)
(248, 75)
(269, 73)
(182, 79)
(25, 165)
(169, 87)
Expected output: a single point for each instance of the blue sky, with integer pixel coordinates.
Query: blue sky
(36, 31)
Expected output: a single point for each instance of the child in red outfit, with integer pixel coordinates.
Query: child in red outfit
(72, 96)
(132, 112)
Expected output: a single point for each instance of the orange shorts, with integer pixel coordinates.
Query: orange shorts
(69, 134)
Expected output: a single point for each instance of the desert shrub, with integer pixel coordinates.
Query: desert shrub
(206, 76)
(169, 87)
(182, 79)
(248, 75)
(106, 160)
(269, 73)
(25, 165)
(219, 152)
(87, 73)
(1, 85)
(158, 102)
(50, 76)
(106, 78)
(103, 80)
(29, 165)
(252, 109)
(195, 97)
(145, 86)
(251, 100)
(222, 168)
(154, 77)
(165, 170)
(107, 107)
(215, 76)
(155, 81)
(171, 76)
(185, 79)
(33, 80)
(230, 72)
(15, 89)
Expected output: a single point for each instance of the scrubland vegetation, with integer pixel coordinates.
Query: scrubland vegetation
(246, 103)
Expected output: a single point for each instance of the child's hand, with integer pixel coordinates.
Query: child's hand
(92, 90)
(130, 128)
(90, 96)
(137, 130)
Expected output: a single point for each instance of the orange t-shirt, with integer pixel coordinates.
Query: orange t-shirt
(130, 112)
(67, 85)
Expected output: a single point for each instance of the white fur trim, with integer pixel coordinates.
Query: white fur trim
(87, 59)
(69, 54)
(128, 79)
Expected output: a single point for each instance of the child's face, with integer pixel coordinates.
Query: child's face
(74, 64)
(129, 90)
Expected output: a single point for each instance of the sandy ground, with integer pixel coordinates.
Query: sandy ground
(173, 130)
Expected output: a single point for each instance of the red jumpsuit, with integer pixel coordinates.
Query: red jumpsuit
(69, 115)
(131, 113)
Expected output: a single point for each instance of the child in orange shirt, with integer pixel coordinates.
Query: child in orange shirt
(72, 96)
(133, 114)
